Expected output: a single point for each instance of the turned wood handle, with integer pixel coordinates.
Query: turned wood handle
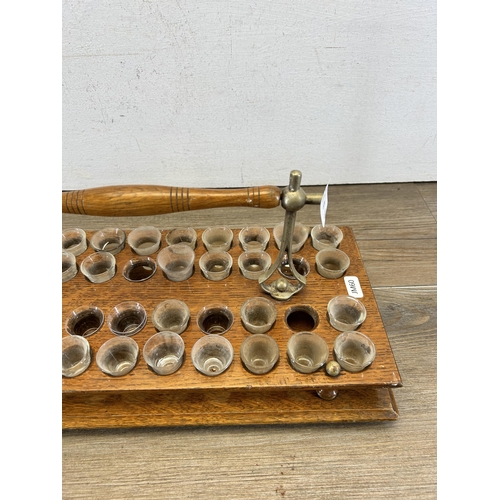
(116, 201)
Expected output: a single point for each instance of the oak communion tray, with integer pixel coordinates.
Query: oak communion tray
(187, 397)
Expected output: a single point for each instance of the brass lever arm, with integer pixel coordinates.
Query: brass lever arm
(131, 200)
(293, 198)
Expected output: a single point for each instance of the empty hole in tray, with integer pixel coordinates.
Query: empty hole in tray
(301, 318)
(139, 269)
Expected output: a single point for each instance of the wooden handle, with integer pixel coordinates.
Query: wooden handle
(116, 201)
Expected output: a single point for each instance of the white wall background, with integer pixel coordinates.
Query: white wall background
(222, 93)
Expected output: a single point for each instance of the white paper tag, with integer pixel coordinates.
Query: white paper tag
(353, 286)
(324, 206)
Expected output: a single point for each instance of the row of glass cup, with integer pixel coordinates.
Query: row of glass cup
(146, 240)
(212, 354)
(307, 352)
(258, 315)
(177, 259)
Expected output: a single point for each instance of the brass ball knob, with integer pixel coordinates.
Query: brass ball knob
(281, 284)
(332, 368)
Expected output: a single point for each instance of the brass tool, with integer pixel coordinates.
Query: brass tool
(141, 200)
(293, 198)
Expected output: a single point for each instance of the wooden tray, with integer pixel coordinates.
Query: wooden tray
(187, 397)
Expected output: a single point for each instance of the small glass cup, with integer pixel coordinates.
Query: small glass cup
(109, 239)
(74, 241)
(69, 268)
(164, 352)
(300, 234)
(258, 315)
(76, 356)
(212, 355)
(139, 269)
(118, 356)
(99, 267)
(327, 236)
(254, 238)
(185, 235)
(215, 265)
(217, 239)
(127, 318)
(172, 315)
(307, 352)
(354, 351)
(346, 313)
(84, 321)
(177, 261)
(215, 319)
(253, 263)
(299, 263)
(144, 240)
(259, 353)
(332, 263)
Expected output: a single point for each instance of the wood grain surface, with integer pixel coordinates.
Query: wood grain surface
(203, 407)
(395, 228)
(197, 292)
(152, 200)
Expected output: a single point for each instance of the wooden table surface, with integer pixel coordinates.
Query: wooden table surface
(396, 231)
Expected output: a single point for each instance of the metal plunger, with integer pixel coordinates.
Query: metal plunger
(293, 198)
